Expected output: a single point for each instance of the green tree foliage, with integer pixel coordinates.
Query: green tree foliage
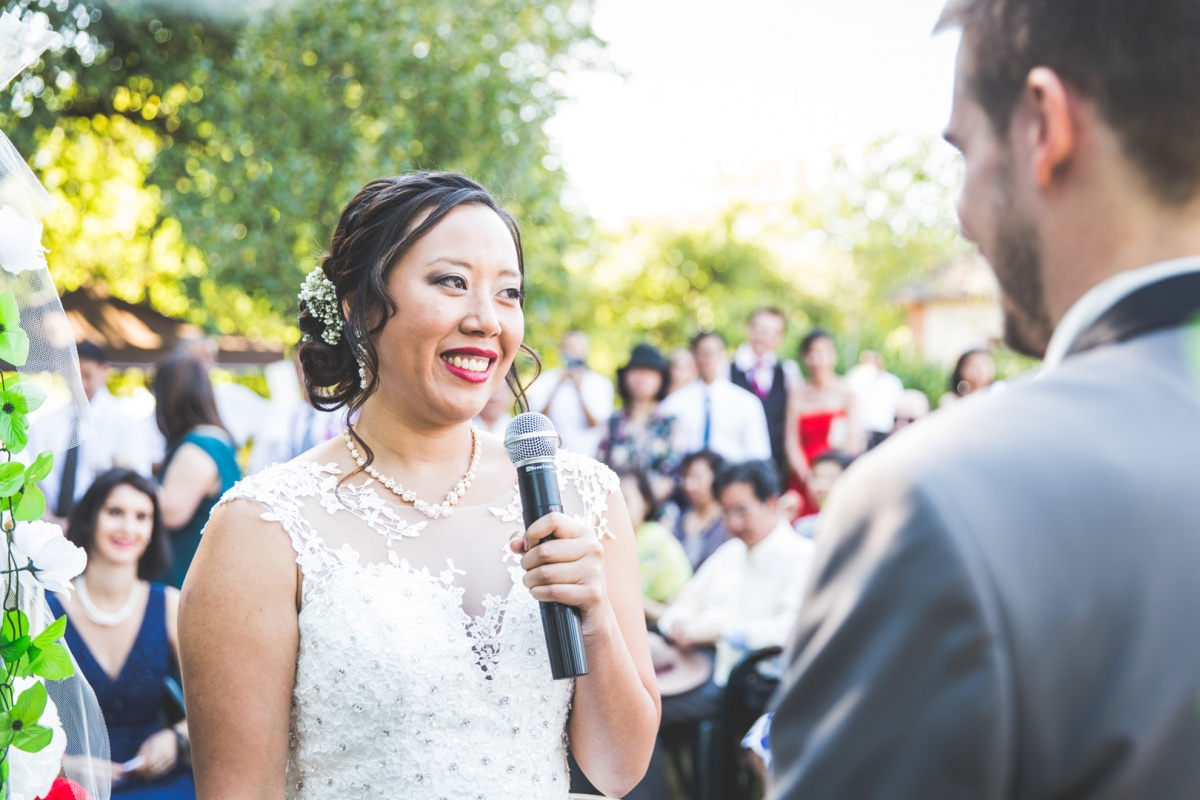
(263, 126)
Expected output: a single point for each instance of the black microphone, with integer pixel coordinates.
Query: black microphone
(532, 442)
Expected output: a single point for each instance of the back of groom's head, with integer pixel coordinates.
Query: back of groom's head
(1138, 61)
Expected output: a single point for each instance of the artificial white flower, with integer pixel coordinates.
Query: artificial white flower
(53, 561)
(20, 242)
(31, 774)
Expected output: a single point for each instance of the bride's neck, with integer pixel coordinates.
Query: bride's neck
(397, 440)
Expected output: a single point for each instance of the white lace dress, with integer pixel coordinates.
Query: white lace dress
(422, 669)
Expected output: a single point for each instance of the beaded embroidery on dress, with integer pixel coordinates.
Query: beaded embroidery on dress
(422, 662)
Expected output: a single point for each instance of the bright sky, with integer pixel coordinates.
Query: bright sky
(724, 99)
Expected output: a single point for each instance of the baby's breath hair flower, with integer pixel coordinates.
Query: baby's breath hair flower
(321, 296)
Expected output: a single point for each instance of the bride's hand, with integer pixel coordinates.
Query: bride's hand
(568, 569)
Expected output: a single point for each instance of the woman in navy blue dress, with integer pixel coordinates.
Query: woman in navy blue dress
(122, 630)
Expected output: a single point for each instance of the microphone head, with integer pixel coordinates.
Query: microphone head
(530, 436)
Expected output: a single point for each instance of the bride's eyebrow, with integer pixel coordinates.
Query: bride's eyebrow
(452, 261)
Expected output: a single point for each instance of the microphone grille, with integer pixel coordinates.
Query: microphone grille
(530, 435)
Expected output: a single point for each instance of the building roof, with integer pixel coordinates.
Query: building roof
(966, 278)
(138, 336)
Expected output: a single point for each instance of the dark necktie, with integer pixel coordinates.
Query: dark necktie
(66, 488)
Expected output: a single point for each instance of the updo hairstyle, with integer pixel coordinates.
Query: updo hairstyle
(375, 231)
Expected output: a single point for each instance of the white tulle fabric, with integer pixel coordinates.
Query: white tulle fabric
(422, 670)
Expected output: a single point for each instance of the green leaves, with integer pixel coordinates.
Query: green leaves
(16, 403)
(19, 482)
(19, 725)
(30, 505)
(12, 478)
(14, 342)
(41, 655)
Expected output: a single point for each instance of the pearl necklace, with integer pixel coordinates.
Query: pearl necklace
(108, 619)
(442, 509)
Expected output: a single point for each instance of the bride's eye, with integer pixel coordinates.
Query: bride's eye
(453, 281)
(513, 294)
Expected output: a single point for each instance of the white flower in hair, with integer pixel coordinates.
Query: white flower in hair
(321, 296)
(52, 560)
(20, 242)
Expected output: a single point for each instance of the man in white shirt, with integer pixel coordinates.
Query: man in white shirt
(713, 413)
(758, 369)
(747, 595)
(577, 400)
(876, 393)
(115, 439)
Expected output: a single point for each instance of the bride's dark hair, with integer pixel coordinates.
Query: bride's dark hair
(375, 231)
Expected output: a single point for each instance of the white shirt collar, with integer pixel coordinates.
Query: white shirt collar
(744, 358)
(1103, 296)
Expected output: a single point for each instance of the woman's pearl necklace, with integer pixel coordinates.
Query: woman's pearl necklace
(442, 509)
(108, 619)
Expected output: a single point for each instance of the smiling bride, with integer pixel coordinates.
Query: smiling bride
(363, 620)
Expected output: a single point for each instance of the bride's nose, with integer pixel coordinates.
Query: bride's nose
(481, 318)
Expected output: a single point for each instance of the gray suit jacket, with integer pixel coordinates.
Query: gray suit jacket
(1006, 597)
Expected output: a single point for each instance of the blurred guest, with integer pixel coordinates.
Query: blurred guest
(821, 413)
(639, 436)
(242, 408)
(712, 413)
(201, 461)
(876, 392)
(662, 562)
(913, 405)
(683, 369)
(827, 468)
(747, 595)
(974, 371)
(114, 439)
(293, 426)
(700, 526)
(497, 411)
(577, 400)
(122, 630)
(757, 368)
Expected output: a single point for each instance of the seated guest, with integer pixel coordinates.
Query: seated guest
(201, 461)
(122, 631)
(745, 597)
(639, 436)
(975, 371)
(662, 563)
(700, 526)
(827, 468)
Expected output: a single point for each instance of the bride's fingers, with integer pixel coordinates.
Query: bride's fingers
(581, 570)
(558, 525)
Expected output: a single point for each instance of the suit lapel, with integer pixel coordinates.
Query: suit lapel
(1168, 303)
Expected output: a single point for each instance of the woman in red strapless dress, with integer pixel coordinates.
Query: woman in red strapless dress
(820, 415)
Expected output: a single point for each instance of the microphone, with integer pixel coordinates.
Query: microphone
(532, 442)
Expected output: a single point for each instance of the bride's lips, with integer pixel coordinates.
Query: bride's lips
(470, 363)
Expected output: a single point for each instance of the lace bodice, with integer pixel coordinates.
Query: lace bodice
(422, 669)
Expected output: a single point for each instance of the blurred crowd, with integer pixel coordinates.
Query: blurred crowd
(725, 458)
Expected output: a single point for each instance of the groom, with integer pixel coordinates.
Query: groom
(1006, 600)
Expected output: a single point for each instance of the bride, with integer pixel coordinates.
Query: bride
(363, 620)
